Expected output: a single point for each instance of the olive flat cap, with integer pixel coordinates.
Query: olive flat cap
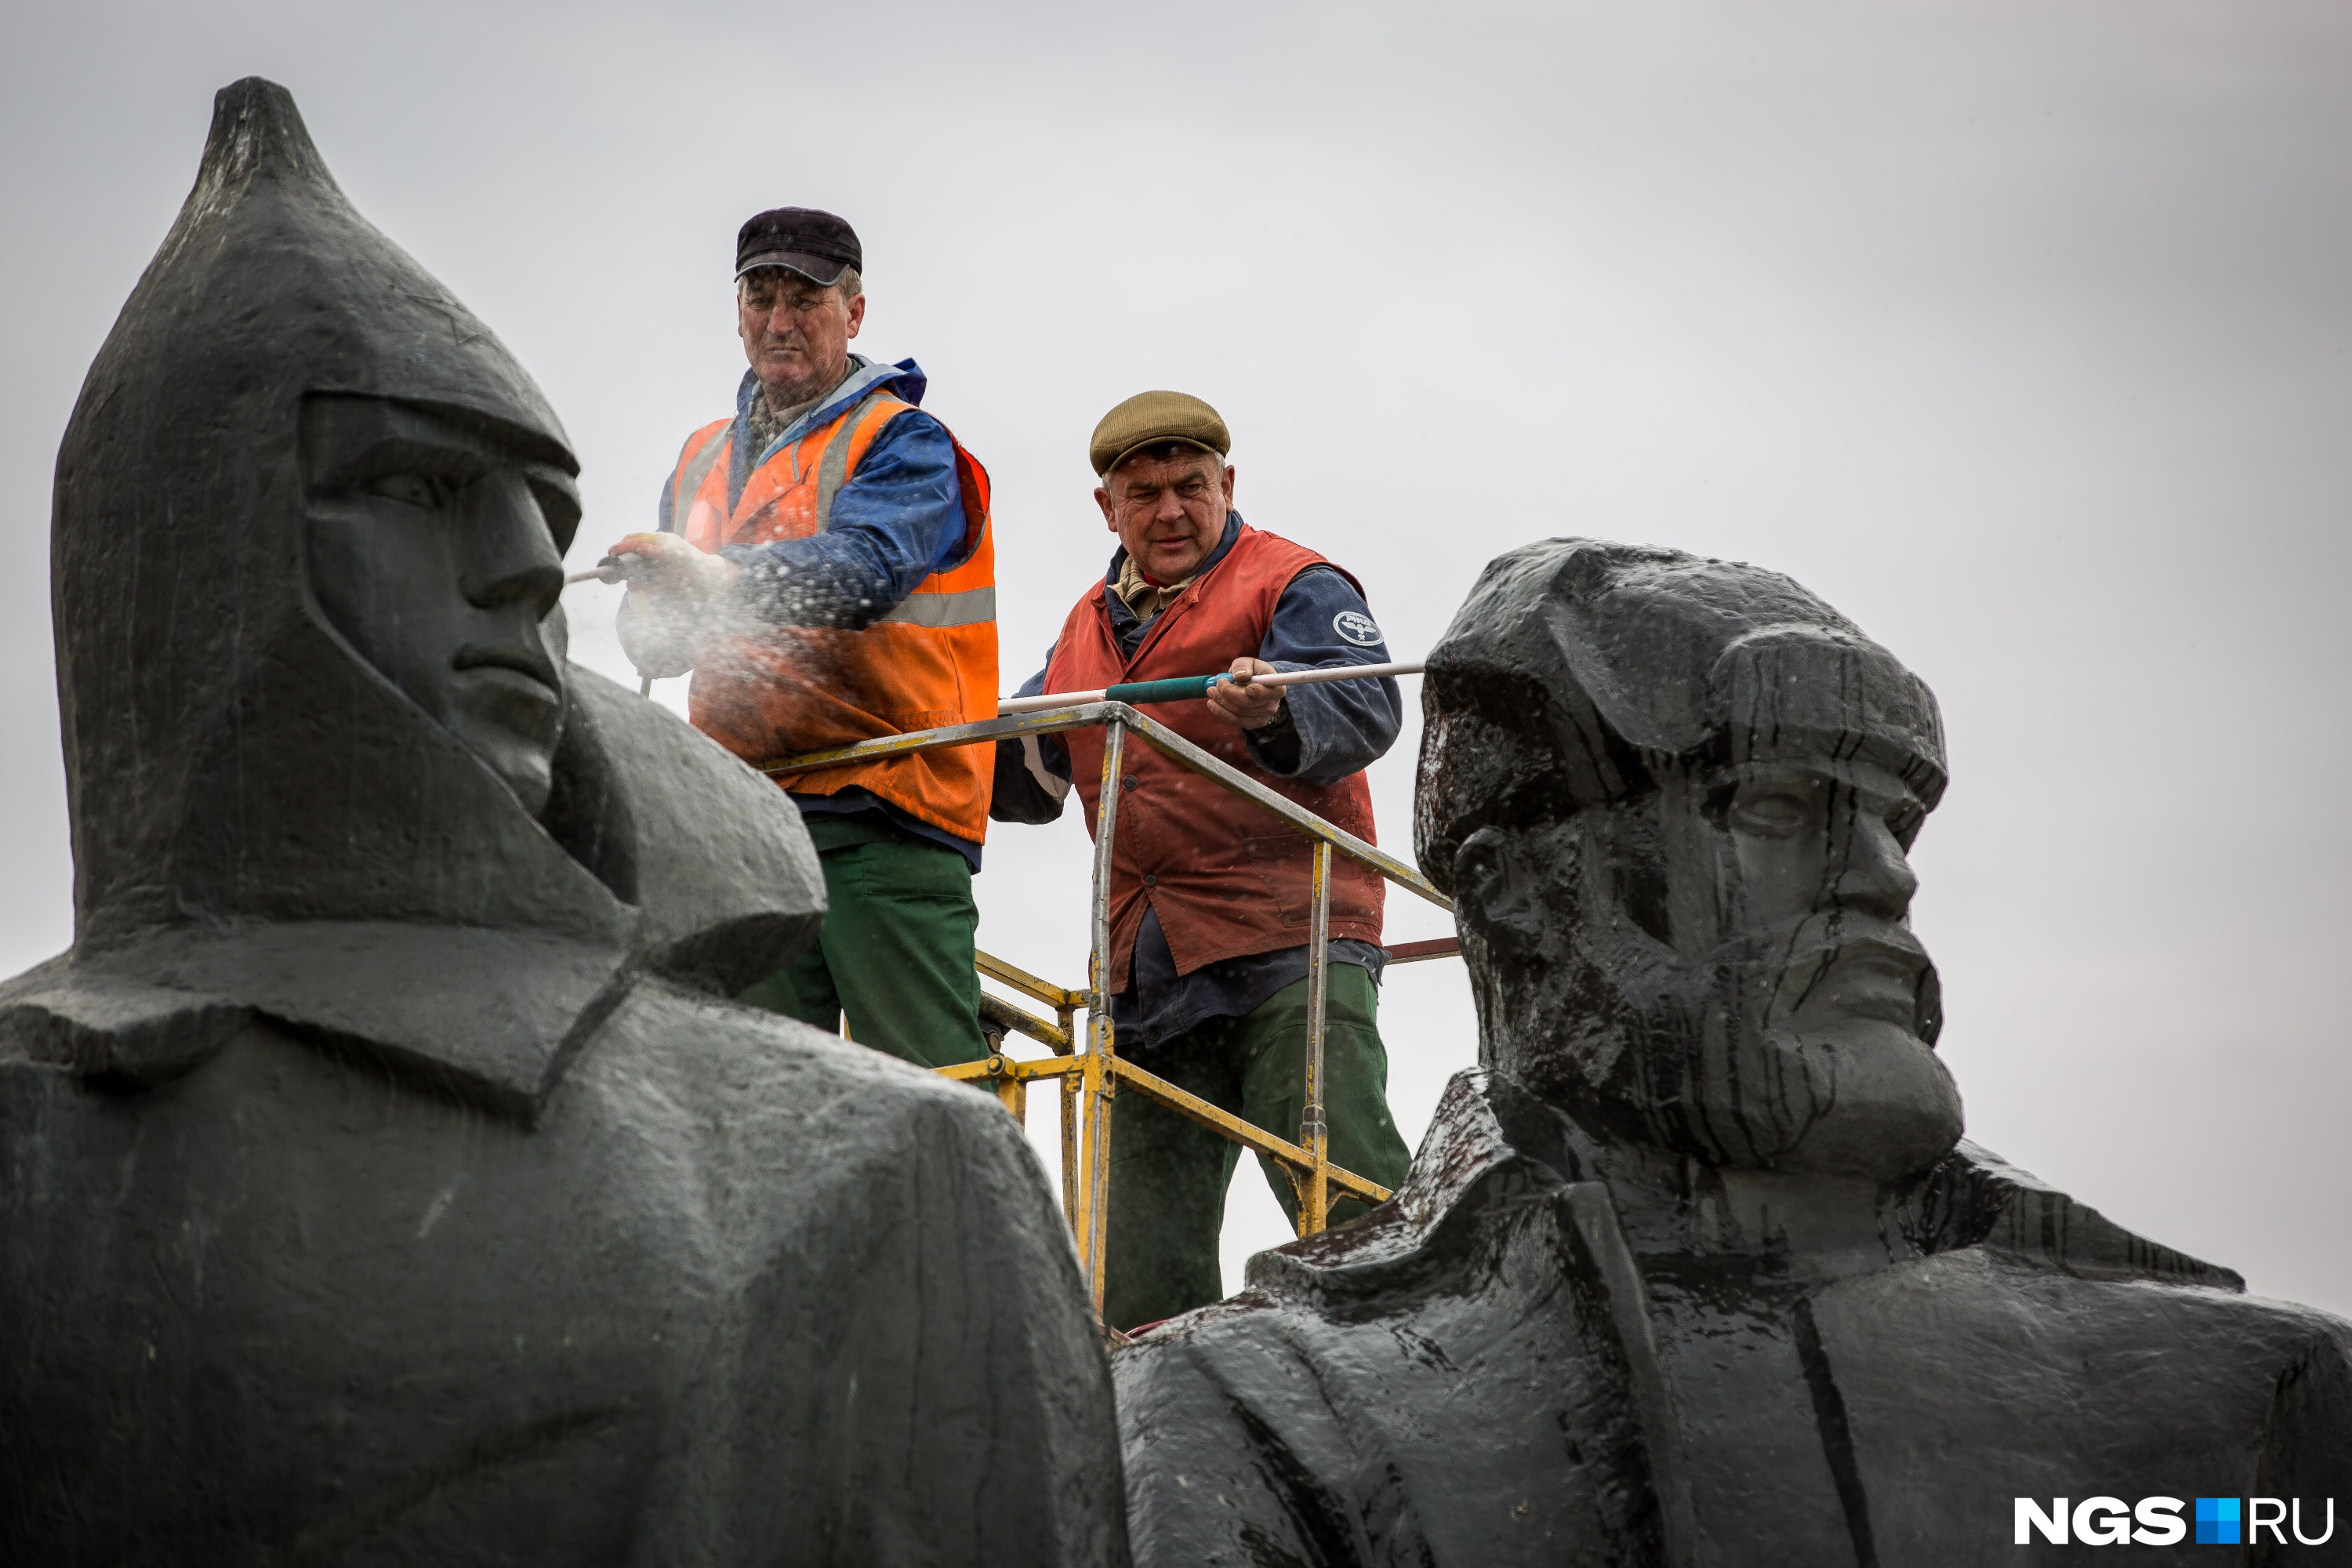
(1150, 418)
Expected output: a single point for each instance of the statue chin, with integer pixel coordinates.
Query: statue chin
(1860, 1098)
(1891, 1108)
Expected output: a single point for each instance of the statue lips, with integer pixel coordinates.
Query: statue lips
(1873, 972)
(514, 688)
(1872, 987)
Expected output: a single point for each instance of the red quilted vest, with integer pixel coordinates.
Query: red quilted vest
(1227, 877)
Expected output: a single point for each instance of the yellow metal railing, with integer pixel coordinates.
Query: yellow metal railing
(1086, 1065)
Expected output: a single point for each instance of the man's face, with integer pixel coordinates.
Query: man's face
(1742, 938)
(1170, 511)
(796, 333)
(436, 549)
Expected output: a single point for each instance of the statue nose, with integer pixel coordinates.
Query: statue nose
(510, 554)
(1876, 876)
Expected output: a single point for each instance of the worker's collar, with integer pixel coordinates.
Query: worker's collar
(903, 380)
(765, 421)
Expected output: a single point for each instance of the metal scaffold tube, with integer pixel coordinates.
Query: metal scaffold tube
(1087, 1064)
(1314, 1132)
(1100, 1083)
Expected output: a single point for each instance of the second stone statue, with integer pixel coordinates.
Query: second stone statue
(1695, 1270)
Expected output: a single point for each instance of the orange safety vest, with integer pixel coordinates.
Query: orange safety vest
(931, 661)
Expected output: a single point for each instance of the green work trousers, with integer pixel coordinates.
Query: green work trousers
(896, 950)
(1169, 1176)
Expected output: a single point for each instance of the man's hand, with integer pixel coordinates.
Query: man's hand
(667, 567)
(668, 610)
(1250, 707)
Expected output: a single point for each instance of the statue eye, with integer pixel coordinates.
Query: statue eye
(410, 489)
(1771, 813)
(559, 506)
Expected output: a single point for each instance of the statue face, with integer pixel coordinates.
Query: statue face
(1815, 962)
(436, 544)
(1723, 967)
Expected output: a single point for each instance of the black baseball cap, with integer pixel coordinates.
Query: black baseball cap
(816, 244)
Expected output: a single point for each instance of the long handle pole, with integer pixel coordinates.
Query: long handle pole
(1186, 687)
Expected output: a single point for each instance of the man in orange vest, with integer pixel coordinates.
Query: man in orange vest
(1209, 894)
(825, 567)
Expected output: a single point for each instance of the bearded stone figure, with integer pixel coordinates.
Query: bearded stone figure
(384, 1176)
(1695, 1268)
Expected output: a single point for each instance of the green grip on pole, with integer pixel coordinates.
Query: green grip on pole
(1176, 691)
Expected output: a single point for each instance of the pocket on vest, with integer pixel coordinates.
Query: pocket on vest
(1284, 862)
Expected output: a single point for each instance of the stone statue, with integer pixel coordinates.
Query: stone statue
(384, 1177)
(1696, 1267)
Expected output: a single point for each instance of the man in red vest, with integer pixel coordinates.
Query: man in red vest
(825, 569)
(1209, 894)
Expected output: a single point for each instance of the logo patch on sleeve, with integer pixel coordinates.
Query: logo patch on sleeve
(1357, 627)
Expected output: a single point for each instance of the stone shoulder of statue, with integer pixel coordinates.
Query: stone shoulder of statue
(1696, 1268)
(388, 1177)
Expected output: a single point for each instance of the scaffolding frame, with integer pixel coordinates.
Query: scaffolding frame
(1086, 1064)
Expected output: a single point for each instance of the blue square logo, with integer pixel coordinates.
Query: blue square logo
(2218, 1520)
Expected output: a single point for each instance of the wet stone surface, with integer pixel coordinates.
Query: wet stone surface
(384, 1175)
(1696, 1267)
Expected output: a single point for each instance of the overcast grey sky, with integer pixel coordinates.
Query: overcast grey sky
(2020, 332)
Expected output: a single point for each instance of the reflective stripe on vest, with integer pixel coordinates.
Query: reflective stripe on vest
(968, 608)
(834, 471)
(690, 475)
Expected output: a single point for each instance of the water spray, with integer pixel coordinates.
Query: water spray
(1180, 688)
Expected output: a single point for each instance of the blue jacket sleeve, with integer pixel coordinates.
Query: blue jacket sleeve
(1326, 731)
(1033, 773)
(898, 520)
